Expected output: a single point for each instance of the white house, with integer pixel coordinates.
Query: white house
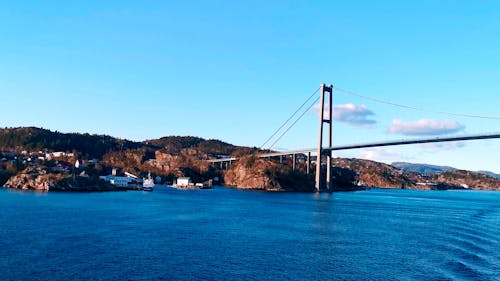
(120, 181)
(184, 181)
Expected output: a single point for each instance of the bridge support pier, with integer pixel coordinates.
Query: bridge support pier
(308, 168)
(328, 120)
(294, 161)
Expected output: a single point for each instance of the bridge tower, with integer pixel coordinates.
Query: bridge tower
(325, 118)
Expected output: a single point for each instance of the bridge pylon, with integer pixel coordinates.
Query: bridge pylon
(325, 118)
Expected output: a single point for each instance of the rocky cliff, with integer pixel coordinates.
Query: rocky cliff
(375, 174)
(255, 173)
(185, 162)
(176, 163)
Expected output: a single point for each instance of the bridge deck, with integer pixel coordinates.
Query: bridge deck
(374, 144)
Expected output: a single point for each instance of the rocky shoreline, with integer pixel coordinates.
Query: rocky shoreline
(253, 173)
(40, 180)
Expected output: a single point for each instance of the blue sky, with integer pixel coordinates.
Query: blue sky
(235, 70)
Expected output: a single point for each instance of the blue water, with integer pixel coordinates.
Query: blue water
(226, 234)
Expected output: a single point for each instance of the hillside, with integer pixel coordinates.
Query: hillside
(169, 157)
(375, 174)
(96, 146)
(491, 174)
(468, 179)
(34, 139)
(425, 169)
(175, 144)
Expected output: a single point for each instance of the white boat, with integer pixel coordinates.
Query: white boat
(148, 183)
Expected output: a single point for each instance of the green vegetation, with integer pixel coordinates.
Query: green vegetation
(89, 146)
(174, 144)
(96, 146)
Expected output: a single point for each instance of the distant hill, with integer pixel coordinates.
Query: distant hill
(425, 169)
(491, 174)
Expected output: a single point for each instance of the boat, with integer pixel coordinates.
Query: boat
(148, 183)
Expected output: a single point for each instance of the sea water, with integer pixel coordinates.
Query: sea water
(227, 234)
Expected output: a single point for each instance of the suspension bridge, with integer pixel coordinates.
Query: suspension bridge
(323, 155)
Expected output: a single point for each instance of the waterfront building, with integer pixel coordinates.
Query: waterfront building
(184, 181)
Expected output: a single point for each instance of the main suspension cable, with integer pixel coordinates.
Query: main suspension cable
(349, 92)
(290, 118)
(293, 124)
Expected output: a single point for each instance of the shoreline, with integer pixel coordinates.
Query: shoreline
(95, 190)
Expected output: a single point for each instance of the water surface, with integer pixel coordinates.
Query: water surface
(230, 234)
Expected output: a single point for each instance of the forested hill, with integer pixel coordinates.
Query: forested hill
(212, 147)
(32, 138)
(95, 146)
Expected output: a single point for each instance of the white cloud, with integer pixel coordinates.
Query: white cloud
(382, 155)
(350, 114)
(424, 127)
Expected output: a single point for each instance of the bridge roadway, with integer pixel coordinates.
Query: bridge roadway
(366, 145)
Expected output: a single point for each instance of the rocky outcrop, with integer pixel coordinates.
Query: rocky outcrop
(129, 160)
(33, 179)
(41, 180)
(185, 162)
(173, 163)
(375, 174)
(255, 173)
(251, 173)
